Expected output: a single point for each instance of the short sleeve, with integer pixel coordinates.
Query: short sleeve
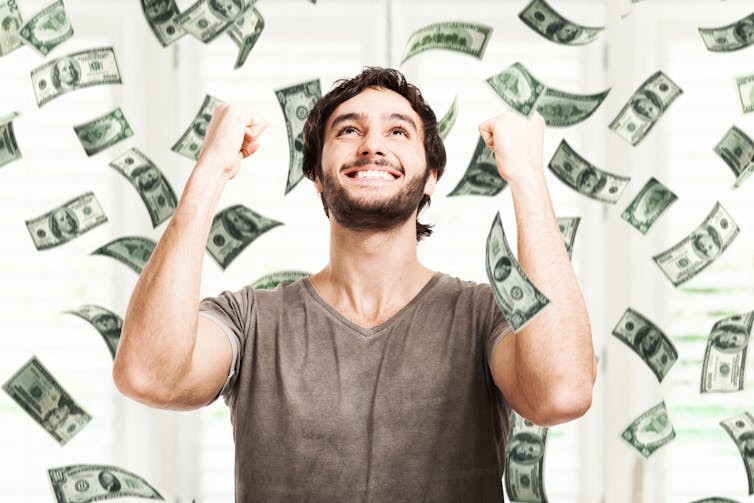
(498, 326)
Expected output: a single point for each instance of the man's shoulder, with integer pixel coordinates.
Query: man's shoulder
(453, 285)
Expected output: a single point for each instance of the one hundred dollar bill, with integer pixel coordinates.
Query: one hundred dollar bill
(103, 132)
(69, 220)
(458, 36)
(107, 323)
(568, 227)
(233, 229)
(517, 298)
(37, 392)
(245, 32)
(543, 19)
(737, 150)
(161, 16)
(272, 280)
(517, 87)
(190, 143)
(651, 201)
(133, 251)
(74, 71)
(89, 483)
(448, 120)
(650, 431)
(524, 461)
(724, 362)
(11, 21)
(741, 430)
(150, 183)
(731, 37)
(481, 177)
(745, 87)
(648, 103)
(584, 177)
(296, 102)
(699, 249)
(47, 29)
(647, 341)
(206, 19)
(9, 150)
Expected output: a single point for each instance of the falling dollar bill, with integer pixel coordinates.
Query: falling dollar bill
(737, 150)
(9, 150)
(699, 249)
(10, 22)
(245, 32)
(47, 29)
(518, 299)
(233, 229)
(107, 323)
(161, 16)
(206, 19)
(724, 363)
(133, 251)
(543, 19)
(524, 461)
(74, 71)
(273, 279)
(102, 132)
(89, 483)
(745, 87)
(568, 227)
(481, 177)
(741, 430)
(517, 87)
(651, 201)
(67, 221)
(448, 120)
(45, 400)
(650, 431)
(190, 143)
(585, 178)
(731, 37)
(458, 36)
(648, 103)
(647, 341)
(149, 181)
(296, 102)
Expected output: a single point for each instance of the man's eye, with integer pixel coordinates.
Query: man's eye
(347, 130)
(400, 131)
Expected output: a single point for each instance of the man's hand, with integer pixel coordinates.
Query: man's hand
(232, 135)
(516, 142)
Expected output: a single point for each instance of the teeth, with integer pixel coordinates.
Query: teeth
(374, 174)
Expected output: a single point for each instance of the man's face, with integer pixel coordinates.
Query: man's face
(58, 416)
(157, 8)
(645, 106)
(747, 32)
(228, 7)
(589, 183)
(728, 339)
(239, 222)
(648, 342)
(65, 222)
(149, 178)
(527, 450)
(566, 33)
(706, 245)
(66, 71)
(105, 323)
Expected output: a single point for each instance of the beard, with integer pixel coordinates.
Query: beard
(364, 215)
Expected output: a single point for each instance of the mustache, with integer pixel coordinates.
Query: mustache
(377, 161)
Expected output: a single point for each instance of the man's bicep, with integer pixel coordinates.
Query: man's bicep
(503, 368)
(211, 363)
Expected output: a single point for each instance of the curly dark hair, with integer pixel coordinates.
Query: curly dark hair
(345, 89)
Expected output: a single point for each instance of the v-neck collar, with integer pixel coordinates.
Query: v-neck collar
(366, 332)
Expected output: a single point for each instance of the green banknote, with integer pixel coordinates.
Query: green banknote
(584, 177)
(9, 150)
(568, 227)
(448, 120)
(245, 32)
(458, 36)
(206, 19)
(731, 37)
(107, 323)
(524, 461)
(133, 251)
(651, 201)
(272, 280)
(296, 101)
(543, 19)
(103, 132)
(648, 341)
(650, 431)
(741, 430)
(89, 483)
(233, 229)
(162, 17)
(148, 180)
(67, 221)
(74, 71)
(724, 365)
(481, 177)
(190, 143)
(47, 29)
(737, 150)
(745, 88)
(10, 22)
(699, 249)
(37, 392)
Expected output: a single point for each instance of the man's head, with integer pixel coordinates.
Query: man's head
(647, 340)
(63, 223)
(107, 323)
(563, 31)
(147, 177)
(109, 481)
(648, 105)
(526, 448)
(744, 31)
(729, 337)
(65, 73)
(158, 10)
(707, 243)
(590, 181)
(228, 9)
(239, 225)
(375, 121)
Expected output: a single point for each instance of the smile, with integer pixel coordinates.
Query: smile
(363, 173)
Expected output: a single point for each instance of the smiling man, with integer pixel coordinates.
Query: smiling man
(375, 379)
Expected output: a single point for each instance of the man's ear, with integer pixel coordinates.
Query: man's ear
(429, 186)
(317, 185)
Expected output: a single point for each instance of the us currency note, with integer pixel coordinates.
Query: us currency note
(9, 150)
(724, 362)
(190, 143)
(150, 183)
(296, 102)
(650, 431)
(69, 220)
(133, 251)
(741, 430)
(47, 29)
(161, 16)
(745, 88)
(699, 249)
(647, 341)
(518, 299)
(645, 107)
(517, 87)
(74, 71)
(10, 22)
(448, 120)
(481, 177)
(737, 150)
(458, 36)
(731, 37)
(206, 19)
(37, 392)
(568, 227)
(651, 201)
(543, 19)
(245, 32)
(524, 461)
(584, 177)
(107, 323)
(102, 132)
(272, 280)
(89, 483)
(233, 229)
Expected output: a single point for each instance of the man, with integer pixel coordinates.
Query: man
(147, 177)
(65, 73)
(744, 31)
(706, 243)
(647, 105)
(226, 9)
(648, 341)
(729, 337)
(590, 182)
(63, 224)
(375, 379)
(158, 11)
(562, 31)
(526, 449)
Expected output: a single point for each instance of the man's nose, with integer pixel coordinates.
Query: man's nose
(372, 144)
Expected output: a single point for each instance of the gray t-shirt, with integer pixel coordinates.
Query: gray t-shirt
(324, 410)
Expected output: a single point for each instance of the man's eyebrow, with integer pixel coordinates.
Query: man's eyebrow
(403, 118)
(361, 117)
(346, 117)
